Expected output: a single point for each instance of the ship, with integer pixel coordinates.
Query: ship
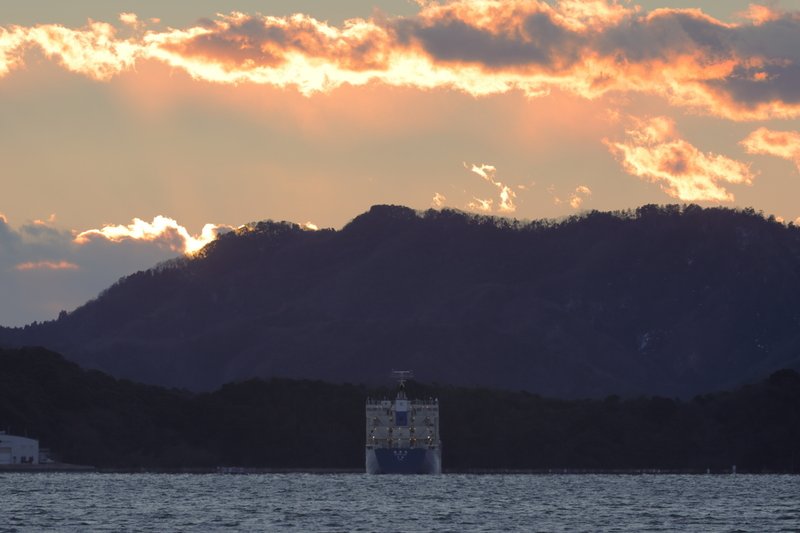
(403, 434)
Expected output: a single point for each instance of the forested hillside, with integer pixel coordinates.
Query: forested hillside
(661, 300)
(87, 417)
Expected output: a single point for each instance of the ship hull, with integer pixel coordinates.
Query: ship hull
(403, 461)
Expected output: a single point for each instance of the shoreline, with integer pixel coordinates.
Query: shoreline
(47, 467)
(232, 470)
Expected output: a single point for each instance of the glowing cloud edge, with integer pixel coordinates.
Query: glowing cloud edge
(580, 49)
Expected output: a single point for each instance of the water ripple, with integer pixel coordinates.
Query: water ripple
(306, 502)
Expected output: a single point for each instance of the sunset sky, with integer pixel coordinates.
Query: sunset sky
(131, 130)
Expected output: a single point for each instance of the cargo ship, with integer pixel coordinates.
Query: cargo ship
(403, 434)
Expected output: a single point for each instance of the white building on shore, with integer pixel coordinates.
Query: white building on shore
(15, 450)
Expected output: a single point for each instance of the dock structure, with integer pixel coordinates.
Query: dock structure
(17, 450)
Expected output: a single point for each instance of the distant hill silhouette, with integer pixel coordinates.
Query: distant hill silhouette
(672, 300)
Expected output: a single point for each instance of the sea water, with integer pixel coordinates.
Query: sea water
(352, 502)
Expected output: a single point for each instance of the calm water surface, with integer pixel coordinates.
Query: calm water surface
(306, 502)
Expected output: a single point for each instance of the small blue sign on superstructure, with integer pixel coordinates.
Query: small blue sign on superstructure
(401, 410)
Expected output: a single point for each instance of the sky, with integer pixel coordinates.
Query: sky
(132, 132)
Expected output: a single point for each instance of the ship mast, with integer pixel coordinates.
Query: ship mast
(401, 376)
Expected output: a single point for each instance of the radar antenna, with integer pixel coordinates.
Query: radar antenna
(401, 376)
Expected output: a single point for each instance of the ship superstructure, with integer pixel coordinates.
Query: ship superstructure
(403, 434)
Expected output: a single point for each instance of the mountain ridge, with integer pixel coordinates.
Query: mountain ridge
(672, 300)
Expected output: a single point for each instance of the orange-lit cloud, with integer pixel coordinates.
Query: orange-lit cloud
(742, 71)
(94, 51)
(784, 144)
(654, 151)
(162, 229)
(11, 42)
(576, 197)
(758, 14)
(46, 265)
(438, 200)
(51, 219)
(507, 195)
(482, 205)
(551, 190)
(129, 19)
(581, 193)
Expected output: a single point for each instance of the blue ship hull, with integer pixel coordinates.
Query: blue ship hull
(403, 461)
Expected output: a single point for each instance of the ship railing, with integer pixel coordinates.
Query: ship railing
(401, 443)
(413, 403)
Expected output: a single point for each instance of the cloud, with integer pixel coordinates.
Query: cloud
(551, 190)
(478, 204)
(44, 269)
(47, 265)
(758, 14)
(576, 197)
(783, 144)
(742, 71)
(581, 193)
(93, 51)
(507, 195)
(487, 172)
(129, 19)
(654, 151)
(438, 200)
(49, 220)
(162, 230)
